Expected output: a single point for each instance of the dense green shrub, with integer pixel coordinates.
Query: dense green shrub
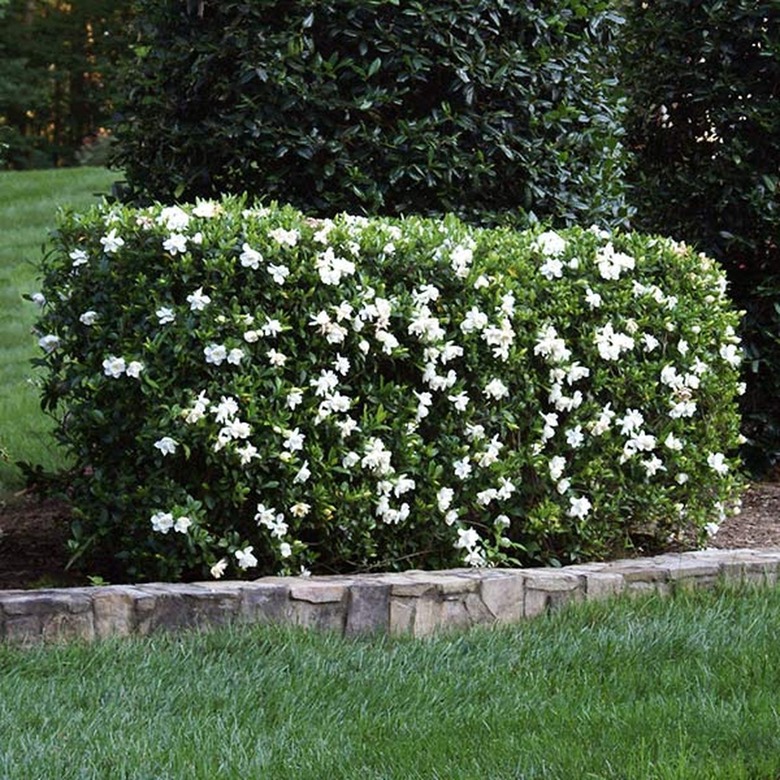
(488, 109)
(244, 385)
(704, 124)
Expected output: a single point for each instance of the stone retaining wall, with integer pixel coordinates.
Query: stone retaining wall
(415, 602)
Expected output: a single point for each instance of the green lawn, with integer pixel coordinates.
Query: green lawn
(28, 205)
(682, 688)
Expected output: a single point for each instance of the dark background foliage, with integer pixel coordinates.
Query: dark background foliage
(703, 79)
(57, 64)
(486, 108)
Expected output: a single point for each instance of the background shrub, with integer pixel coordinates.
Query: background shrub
(488, 109)
(254, 390)
(704, 126)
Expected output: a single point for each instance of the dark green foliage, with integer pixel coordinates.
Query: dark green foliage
(477, 107)
(56, 62)
(704, 83)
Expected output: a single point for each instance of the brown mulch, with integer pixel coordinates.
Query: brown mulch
(34, 532)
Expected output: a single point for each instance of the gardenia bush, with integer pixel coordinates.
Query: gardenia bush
(245, 390)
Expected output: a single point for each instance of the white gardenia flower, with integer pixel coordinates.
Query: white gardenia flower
(294, 398)
(182, 524)
(484, 497)
(250, 258)
(551, 269)
(550, 244)
(653, 465)
(245, 558)
(279, 273)
(175, 244)
(611, 343)
(215, 354)
(731, 354)
(114, 366)
(650, 342)
(300, 509)
(444, 498)
(579, 507)
(271, 328)
(218, 569)
(501, 522)
(285, 550)
(227, 408)
(88, 318)
(111, 242)
(174, 218)
(303, 474)
(611, 263)
(206, 209)
(468, 538)
(496, 389)
(717, 462)
(293, 440)
(593, 299)
(284, 237)
(460, 261)
(462, 468)
(631, 421)
(341, 365)
(474, 320)
(325, 384)
(134, 369)
(39, 299)
(673, 443)
(165, 315)
(549, 345)
(198, 300)
(50, 342)
(166, 445)
(79, 257)
(276, 358)
(247, 453)
(575, 437)
(350, 459)
(556, 466)
(162, 522)
(235, 356)
(459, 401)
(603, 422)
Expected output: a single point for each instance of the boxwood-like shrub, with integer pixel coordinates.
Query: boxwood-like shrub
(704, 125)
(489, 109)
(247, 390)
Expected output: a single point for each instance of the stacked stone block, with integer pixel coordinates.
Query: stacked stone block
(419, 603)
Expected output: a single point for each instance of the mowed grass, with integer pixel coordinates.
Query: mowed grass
(682, 688)
(28, 206)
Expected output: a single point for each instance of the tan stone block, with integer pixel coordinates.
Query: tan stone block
(601, 585)
(317, 591)
(368, 608)
(323, 616)
(401, 615)
(113, 608)
(427, 616)
(504, 596)
(265, 603)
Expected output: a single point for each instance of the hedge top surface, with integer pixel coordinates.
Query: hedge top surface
(246, 388)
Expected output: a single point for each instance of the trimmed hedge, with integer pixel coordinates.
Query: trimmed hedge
(489, 109)
(250, 390)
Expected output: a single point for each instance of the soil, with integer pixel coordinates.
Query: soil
(34, 533)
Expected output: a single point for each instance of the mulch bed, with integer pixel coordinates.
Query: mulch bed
(34, 532)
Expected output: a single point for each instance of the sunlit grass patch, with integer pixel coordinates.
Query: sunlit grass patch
(28, 204)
